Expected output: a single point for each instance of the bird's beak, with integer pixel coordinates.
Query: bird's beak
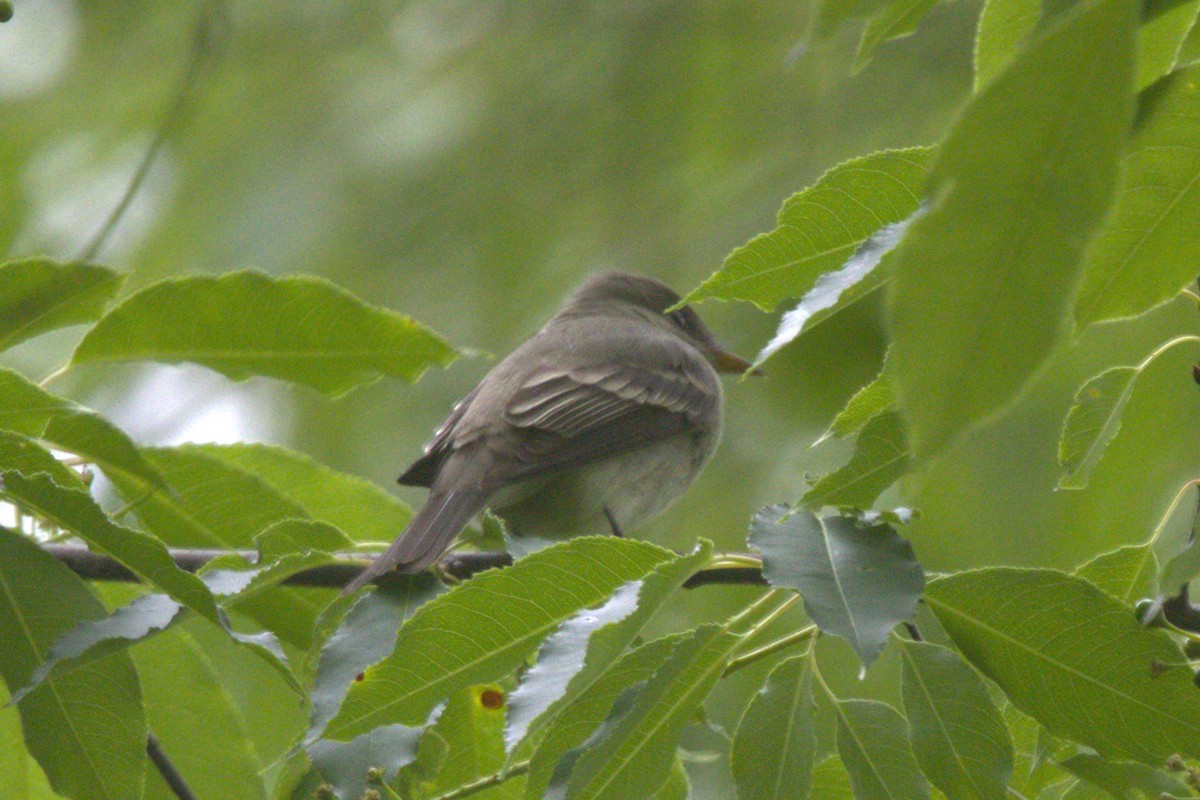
(724, 361)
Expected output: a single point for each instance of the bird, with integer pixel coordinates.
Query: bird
(594, 425)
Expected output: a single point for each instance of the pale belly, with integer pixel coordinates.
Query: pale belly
(633, 487)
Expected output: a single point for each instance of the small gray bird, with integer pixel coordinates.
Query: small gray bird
(595, 424)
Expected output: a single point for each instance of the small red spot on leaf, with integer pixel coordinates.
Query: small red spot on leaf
(490, 698)
(360, 676)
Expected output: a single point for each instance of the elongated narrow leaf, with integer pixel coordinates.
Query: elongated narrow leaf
(1073, 658)
(74, 509)
(39, 295)
(1146, 251)
(1127, 573)
(862, 275)
(1092, 422)
(27, 409)
(636, 753)
(881, 457)
(89, 750)
(21, 454)
(867, 403)
(296, 328)
(483, 629)
(775, 743)
(1123, 778)
(1003, 25)
(575, 656)
(958, 735)
(872, 740)
(983, 282)
(898, 18)
(357, 507)
(858, 581)
(587, 712)
(820, 228)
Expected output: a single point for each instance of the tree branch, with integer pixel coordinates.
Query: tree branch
(460, 566)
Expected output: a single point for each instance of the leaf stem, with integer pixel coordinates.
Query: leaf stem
(486, 782)
(769, 648)
(58, 373)
(753, 608)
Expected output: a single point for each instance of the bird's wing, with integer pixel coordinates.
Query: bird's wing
(425, 469)
(565, 416)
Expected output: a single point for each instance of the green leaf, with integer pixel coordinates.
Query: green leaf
(1127, 573)
(21, 454)
(1182, 567)
(898, 18)
(634, 755)
(1146, 251)
(485, 628)
(820, 228)
(365, 637)
(1003, 27)
(881, 457)
(858, 581)
(74, 509)
(830, 781)
(27, 409)
(1122, 778)
(20, 775)
(39, 295)
(872, 741)
(1018, 187)
(587, 712)
(344, 765)
(359, 508)
(296, 328)
(470, 745)
(1073, 658)
(88, 749)
(573, 658)
(1093, 422)
(1165, 26)
(775, 743)
(677, 787)
(867, 403)
(958, 735)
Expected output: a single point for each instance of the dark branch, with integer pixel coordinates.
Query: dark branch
(167, 769)
(98, 567)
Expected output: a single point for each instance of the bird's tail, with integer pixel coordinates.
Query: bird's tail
(427, 536)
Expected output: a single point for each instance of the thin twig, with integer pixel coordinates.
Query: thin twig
(167, 769)
(767, 649)
(486, 782)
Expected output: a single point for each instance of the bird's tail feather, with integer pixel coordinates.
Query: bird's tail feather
(427, 536)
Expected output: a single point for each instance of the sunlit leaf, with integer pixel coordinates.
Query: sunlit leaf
(1165, 26)
(872, 741)
(483, 629)
(89, 750)
(576, 655)
(1075, 659)
(30, 410)
(21, 454)
(982, 282)
(582, 717)
(881, 457)
(1127, 573)
(820, 228)
(1123, 778)
(958, 736)
(1146, 251)
(39, 295)
(858, 580)
(1003, 26)
(830, 781)
(301, 329)
(775, 743)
